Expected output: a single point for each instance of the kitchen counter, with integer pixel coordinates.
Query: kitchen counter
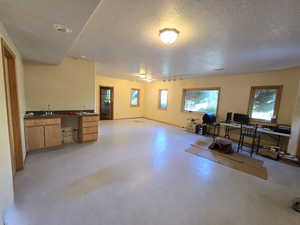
(47, 131)
(27, 117)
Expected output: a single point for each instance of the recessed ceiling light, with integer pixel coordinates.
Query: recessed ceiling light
(168, 35)
(148, 80)
(62, 28)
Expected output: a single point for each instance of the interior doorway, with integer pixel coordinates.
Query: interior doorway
(106, 103)
(13, 113)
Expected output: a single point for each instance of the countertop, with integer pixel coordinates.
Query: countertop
(27, 117)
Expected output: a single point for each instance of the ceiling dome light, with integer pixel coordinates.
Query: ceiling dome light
(142, 76)
(168, 35)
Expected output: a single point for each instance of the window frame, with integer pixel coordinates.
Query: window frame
(184, 90)
(138, 97)
(277, 102)
(159, 99)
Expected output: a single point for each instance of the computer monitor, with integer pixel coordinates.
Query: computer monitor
(241, 118)
(228, 117)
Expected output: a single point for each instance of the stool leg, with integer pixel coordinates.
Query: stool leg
(252, 146)
(242, 143)
(258, 145)
(239, 144)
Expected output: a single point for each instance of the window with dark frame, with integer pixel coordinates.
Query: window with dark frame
(163, 99)
(264, 102)
(201, 100)
(135, 97)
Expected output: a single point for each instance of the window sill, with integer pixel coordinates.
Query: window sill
(260, 121)
(185, 111)
(163, 109)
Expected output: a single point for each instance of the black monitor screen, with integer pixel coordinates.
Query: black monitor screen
(241, 118)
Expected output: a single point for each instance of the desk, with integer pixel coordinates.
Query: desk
(260, 130)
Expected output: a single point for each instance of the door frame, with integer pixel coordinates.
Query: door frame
(12, 99)
(112, 100)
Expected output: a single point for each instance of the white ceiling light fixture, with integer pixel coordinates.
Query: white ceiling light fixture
(168, 35)
(143, 76)
(148, 80)
(62, 28)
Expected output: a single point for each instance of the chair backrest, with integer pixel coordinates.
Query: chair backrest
(248, 130)
(209, 118)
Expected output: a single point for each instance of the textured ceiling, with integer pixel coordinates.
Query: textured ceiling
(30, 24)
(241, 36)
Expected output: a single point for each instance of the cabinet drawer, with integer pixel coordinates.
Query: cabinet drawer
(89, 130)
(90, 124)
(34, 122)
(90, 118)
(42, 122)
(51, 121)
(89, 137)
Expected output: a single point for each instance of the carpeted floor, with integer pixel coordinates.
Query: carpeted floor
(236, 161)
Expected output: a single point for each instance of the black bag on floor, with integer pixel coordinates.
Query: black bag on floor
(222, 145)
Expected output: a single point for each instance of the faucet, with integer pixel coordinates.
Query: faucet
(48, 112)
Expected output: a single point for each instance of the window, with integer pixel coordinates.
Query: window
(201, 100)
(163, 99)
(264, 102)
(135, 97)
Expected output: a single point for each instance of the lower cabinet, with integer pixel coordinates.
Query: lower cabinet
(35, 138)
(42, 133)
(52, 135)
(88, 128)
(46, 132)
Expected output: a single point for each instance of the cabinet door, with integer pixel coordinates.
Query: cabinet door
(35, 138)
(52, 136)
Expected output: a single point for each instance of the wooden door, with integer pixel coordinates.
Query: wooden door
(9, 118)
(52, 136)
(106, 103)
(12, 102)
(35, 138)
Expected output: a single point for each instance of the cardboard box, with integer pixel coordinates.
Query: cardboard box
(68, 140)
(270, 151)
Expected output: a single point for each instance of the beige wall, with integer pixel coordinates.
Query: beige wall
(6, 183)
(294, 147)
(234, 95)
(68, 86)
(122, 108)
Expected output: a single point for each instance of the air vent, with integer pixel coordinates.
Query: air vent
(62, 28)
(219, 69)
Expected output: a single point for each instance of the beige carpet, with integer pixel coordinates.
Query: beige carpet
(236, 161)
